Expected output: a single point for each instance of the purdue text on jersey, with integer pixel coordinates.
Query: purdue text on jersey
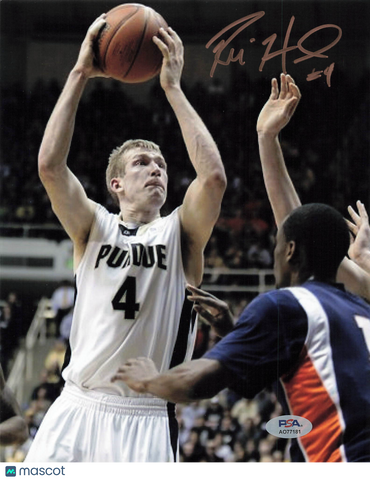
(139, 255)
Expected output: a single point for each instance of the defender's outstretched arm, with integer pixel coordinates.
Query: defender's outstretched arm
(274, 116)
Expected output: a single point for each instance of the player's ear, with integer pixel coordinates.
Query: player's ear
(295, 255)
(116, 185)
(290, 251)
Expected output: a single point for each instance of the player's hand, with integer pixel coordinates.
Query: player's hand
(280, 107)
(170, 44)
(359, 250)
(212, 310)
(136, 372)
(86, 62)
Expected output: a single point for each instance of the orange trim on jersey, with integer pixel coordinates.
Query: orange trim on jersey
(308, 398)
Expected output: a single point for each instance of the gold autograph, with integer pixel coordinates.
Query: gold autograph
(269, 42)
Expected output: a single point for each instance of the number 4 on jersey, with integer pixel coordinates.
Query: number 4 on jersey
(125, 299)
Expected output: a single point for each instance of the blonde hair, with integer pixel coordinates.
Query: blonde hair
(116, 167)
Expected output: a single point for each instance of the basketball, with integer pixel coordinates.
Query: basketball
(125, 50)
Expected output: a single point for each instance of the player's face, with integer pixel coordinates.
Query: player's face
(145, 179)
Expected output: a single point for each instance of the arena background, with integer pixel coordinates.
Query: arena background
(326, 147)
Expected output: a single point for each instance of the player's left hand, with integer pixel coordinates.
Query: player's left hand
(171, 46)
(135, 373)
(213, 310)
(86, 62)
(360, 229)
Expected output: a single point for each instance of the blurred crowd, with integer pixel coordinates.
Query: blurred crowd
(44, 393)
(326, 149)
(12, 337)
(12, 329)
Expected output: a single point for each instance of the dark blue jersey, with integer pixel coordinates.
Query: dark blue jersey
(312, 341)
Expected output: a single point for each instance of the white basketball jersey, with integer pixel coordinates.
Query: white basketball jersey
(130, 302)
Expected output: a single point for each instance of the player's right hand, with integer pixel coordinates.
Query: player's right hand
(135, 373)
(86, 62)
(280, 107)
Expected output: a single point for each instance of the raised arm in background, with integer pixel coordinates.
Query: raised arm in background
(274, 116)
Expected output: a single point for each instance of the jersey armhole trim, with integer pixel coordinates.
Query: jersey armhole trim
(99, 209)
(176, 213)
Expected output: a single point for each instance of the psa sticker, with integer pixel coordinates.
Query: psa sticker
(288, 426)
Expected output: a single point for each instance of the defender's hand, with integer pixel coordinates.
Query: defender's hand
(359, 250)
(172, 50)
(213, 310)
(135, 372)
(280, 107)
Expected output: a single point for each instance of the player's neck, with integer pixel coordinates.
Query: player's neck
(299, 278)
(133, 218)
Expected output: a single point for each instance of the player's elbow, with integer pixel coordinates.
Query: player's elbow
(216, 180)
(48, 169)
(44, 167)
(220, 179)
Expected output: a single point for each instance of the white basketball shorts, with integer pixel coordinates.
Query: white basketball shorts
(96, 427)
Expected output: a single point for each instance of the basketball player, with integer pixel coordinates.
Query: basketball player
(131, 275)
(309, 339)
(13, 427)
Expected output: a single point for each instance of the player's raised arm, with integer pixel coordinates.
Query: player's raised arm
(274, 116)
(202, 202)
(68, 198)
